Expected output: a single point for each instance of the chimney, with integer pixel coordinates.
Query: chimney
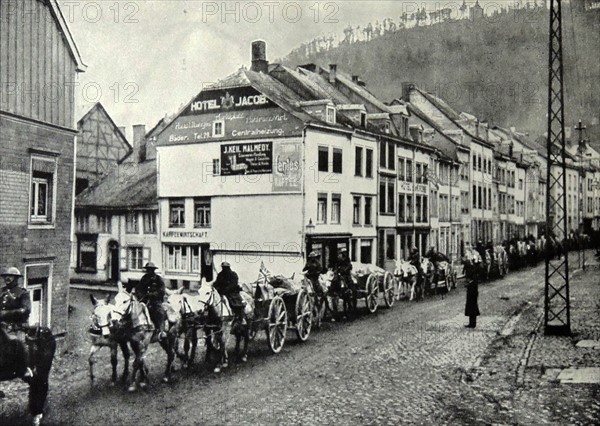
(355, 79)
(406, 89)
(139, 133)
(259, 57)
(332, 73)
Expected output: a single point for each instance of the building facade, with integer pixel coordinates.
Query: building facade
(37, 149)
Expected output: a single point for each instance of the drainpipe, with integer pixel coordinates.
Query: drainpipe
(303, 227)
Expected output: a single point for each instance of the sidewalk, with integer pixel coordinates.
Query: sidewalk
(523, 373)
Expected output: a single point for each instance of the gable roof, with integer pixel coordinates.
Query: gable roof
(99, 107)
(129, 185)
(66, 32)
(444, 143)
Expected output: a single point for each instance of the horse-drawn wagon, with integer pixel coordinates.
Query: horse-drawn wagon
(371, 281)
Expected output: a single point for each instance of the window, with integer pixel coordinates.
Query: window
(83, 223)
(323, 159)
(104, 223)
(353, 249)
(401, 208)
(418, 209)
(358, 161)
(336, 204)
(479, 198)
(131, 223)
(474, 196)
(86, 254)
(356, 211)
(419, 174)
(391, 154)
(484, 198)
(176, 213)
(425, 210)
(42, 190)
(382, 195)
(368, 203)
(202, 212)
(464, 202)
(520, 183)
(363, 119)
(149, 219)
(409, 170)
(177, 258)
(337, 160)
(401, 169)
(382, 154)
(330, 111)
(195, 255)
(216, 167)
(366, 251)
(479, 163)
(369, 163)
(137, 257)
(489, 198)
(474, 162)
(424, 178)
(409, 208)
(322, 208)
(218, 128)
(389, 191)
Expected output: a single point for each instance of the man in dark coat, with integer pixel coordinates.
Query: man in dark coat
(151, 291)
(313, 270)
(15, 307)
(227, 284)
(471, 307)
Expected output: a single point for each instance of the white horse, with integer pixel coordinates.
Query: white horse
(406, 274)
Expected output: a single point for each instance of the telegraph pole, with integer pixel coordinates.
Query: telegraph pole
(557, 312)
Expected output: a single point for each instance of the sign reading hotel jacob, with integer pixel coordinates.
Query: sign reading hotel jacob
(234, 99)
(247, 158)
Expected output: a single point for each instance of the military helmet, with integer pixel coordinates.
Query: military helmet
(313, 254)
(225, 264)
(150, 265)
(12, 271)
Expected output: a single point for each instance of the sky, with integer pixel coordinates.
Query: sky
(146, 59)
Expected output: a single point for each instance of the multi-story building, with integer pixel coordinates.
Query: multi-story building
(37, 149)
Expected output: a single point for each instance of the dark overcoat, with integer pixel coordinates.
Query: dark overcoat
(471, 307)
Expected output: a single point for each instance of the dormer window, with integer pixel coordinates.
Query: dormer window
(363, 119)
(386, 127)
(330, 115)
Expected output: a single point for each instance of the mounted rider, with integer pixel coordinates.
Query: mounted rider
(15, 307)
(227, 284)
(151, 291)
(436, 257)
(343, 266)
(415, 259)
(314, 269)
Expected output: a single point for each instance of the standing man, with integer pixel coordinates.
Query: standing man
(151, 291)
(15, 307)
(227, 284)
(313, 270)
(471, 306)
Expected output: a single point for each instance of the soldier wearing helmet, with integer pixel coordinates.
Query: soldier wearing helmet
(15, 307)
(151, 291)
(313, 269)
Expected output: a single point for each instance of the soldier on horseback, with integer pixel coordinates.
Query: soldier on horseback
(313, 270)
(15, 307)
(151, 291)
(227, 284)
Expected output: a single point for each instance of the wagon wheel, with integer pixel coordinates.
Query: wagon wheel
(389, 289)
(304, 308)
(448, 283)
(277, 324)
(372, 295)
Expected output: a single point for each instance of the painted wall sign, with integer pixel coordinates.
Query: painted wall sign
(247, 158)
(287, 167)
(233, 99)
(405, 186)
(217, 126)
(421, 188)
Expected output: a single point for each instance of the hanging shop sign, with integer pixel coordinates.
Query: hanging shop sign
(246, 158)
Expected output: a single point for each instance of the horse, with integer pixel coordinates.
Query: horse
(103, 334)
(41, 345)
(428, 275)
(132, 319)
(319, 303)
(406, 273)
(338, 289)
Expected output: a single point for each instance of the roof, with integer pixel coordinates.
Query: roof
(450, 113)
(100, 107)
(444, 143)
(64, 27)
(129, 185)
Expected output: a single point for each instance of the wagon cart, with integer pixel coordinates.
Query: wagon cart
(277, 310)
(372, 280)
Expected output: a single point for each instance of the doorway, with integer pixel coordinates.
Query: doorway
(38, 288)
(114, 270)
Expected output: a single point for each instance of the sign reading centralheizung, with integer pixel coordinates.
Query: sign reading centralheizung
(247, 158)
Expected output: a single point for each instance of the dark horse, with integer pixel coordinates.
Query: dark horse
(41, 346)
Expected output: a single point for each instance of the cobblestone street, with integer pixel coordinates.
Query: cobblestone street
(414, 364)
